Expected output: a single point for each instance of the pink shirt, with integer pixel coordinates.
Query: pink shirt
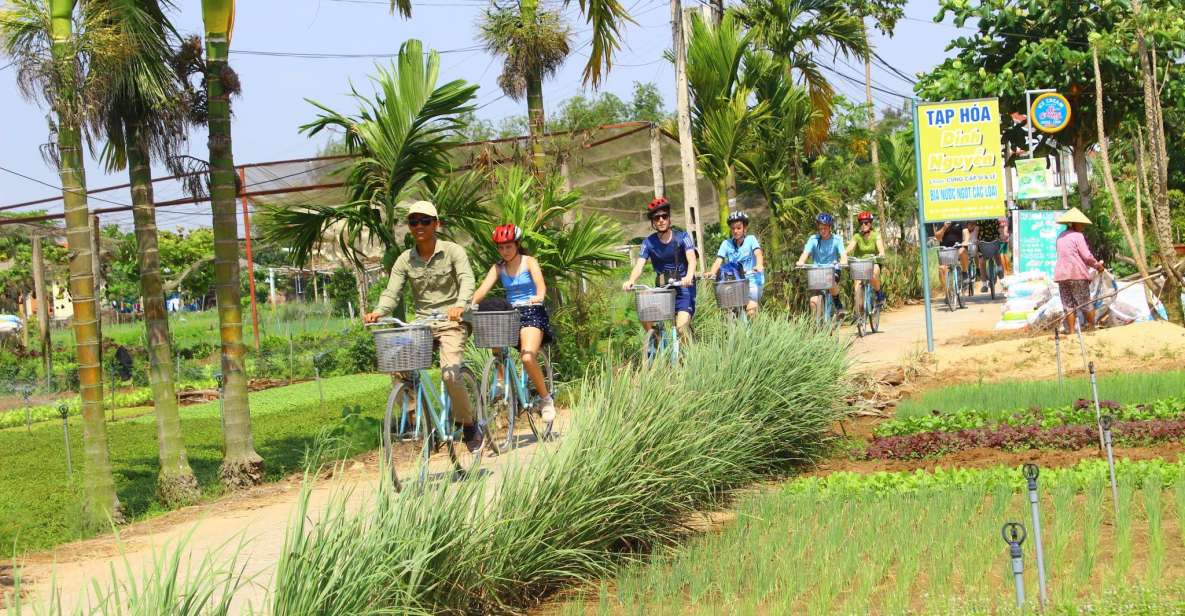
(1074, 260)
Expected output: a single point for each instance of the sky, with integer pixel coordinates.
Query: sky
(275, 83)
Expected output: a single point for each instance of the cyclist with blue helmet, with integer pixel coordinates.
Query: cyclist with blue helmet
(741, 256)
(825, 248)
(672, 254)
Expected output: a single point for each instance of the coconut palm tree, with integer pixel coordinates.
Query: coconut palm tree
(722, 119)
(796, 31)
(52, 59)
(142, 111)
(898, 173)
(401, 138)
(241, 465)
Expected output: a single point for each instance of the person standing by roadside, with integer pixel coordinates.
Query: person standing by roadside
(1071, 272)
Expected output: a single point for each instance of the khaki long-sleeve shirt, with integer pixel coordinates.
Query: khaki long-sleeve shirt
(443, 281)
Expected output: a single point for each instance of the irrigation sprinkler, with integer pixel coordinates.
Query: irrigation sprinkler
(221, 416)
(1014, 536)
(1105, 426)
(1057, 344)
(1094, 391)
(27, 390)
(65, 413)
(1030, 472)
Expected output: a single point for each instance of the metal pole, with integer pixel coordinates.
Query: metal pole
(1029, 123)
(917, 157)
(1030, 472)
(1014, 536)
(1105, 425)
(1057, 344)
(1098, 414)
(65, 413)
(1081, 343)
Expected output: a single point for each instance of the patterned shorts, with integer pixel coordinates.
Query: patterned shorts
(1074, 294)
(536, 316)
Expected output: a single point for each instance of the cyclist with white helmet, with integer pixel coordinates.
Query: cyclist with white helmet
(741, 256)
(672, 255)
(825, 248)
(522, 279)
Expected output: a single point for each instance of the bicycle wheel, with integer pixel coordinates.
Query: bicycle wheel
(672, 335)
(652, 344)
(959, 292)
(542, 429)
(951, 301)
(466, 456)
(861, 311)
(991, 268)
(874, 314)
(398, 452)
(499, 403)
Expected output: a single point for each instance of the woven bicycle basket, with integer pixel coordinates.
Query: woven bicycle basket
(820, 278)
(989, 250)
(403, 349)
(732, 293)
(655, 304)
(496, 329)
(861, 268)
(948, 255)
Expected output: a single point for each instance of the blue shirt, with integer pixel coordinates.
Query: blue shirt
(744, 255)
(669, 258)
(519, 289)
(824, 252)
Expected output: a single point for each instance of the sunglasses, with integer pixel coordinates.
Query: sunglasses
(662, 217)
(867, 222)
(420, 222)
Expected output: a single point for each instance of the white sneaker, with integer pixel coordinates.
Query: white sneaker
(548, 409)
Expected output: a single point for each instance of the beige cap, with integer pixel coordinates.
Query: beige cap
(1074, 215)
(424, 208)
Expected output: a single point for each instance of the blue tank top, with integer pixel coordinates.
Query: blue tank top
(519, 288)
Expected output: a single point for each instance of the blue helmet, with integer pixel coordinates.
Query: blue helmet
(825, 219)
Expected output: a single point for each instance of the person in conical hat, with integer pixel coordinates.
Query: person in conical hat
(1072, 270)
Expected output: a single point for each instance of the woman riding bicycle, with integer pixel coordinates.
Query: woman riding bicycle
(989, 231)
(825, 248)
(525, 289)
(867, 243)
(948, 235)
(741, 256)
(672, 255)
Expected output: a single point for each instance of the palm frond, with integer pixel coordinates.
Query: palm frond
(531, 47)
(607, 18)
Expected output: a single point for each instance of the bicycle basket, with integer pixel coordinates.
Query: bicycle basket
(655, 304)
(732, 293)
(820, 278)
(989, 250)
(496, 329)
(403, 349)
(948, 255)
(861, 268)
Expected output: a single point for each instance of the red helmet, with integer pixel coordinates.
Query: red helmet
(657, 205)
(507, 233)
(864, 216)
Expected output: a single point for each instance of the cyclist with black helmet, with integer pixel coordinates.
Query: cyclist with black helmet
(866, 244)
(741, 256)
(522, 279)
(672, 255)
(825, 248)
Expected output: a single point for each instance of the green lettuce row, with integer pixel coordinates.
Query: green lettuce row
(1167, 408)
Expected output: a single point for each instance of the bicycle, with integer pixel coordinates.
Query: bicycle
(406, 350)
(948, 256)
(656, 305)
(819, 280)
(972, 270)
(732, 296)
(867, 308)
(506, 390)
(991, 252)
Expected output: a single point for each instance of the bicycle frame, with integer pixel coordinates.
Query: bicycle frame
(516, 377)
(439, 406)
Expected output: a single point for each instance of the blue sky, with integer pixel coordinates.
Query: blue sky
(272, 106)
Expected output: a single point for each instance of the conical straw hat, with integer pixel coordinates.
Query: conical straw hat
(1074, 215)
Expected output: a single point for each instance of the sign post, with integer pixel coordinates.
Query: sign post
(960, 170)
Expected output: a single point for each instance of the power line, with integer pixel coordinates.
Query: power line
(327, 55)
(35, 180)
(884, 63)
(861, 82)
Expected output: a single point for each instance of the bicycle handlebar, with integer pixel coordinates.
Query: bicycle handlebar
(670, 285)
(806, 266)
(431, 318)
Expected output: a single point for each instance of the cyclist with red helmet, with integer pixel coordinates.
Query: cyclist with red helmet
(865, 244)
(672, 255)
(522, 279)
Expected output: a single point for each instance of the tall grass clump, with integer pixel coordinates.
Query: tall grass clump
(646, 448)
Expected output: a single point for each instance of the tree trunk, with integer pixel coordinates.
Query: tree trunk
(1081, 170)
(722, 203)
(360, 286)
(45, 344)
(241, 465)
(536, 119)
(175, 485)
(101, 504)
(1108, 179)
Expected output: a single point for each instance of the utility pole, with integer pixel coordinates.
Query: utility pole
(876, 158)
(656, 170)
(42, 308)
(686, 148)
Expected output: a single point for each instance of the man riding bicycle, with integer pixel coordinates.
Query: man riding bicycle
(741, 256)
(672, 255)
(441, 280)
(867, 243)
(825, 248)
(950, 234)
(989, 231)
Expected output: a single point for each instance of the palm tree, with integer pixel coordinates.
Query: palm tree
(567, 252)
(52, 60)
(401, 137)
(241, 465)
(898, 173)
(721, 118)
(535, 45)
(142, 111)
(795, 31)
